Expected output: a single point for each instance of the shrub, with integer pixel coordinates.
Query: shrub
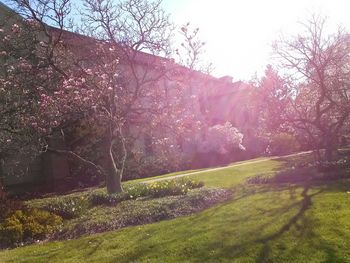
(283, 143)
(333, 166)
(170, 187)
(259, 179)
(11, 231)
(164, 188)
(8, 205)
(67, 207)
(312, 172)
(222, 139)
(155, 189)
(290, 175)
(28, 225)
(293, 175)
(149, 210)
(194, 184)
(137, 190)
(101, 198)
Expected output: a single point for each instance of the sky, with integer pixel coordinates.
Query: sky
(239, 33)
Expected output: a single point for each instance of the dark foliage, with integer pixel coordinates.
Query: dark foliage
(8, 205)
(306, 172)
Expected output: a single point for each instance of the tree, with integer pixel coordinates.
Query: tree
(191, 50)
(23, 68)
(317, 69)
(222, 139)
(271, 97)
(153, 93)
(109, 79)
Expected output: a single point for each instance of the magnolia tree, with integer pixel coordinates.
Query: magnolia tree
(318, 74)
(222, 139)
(100, 95)
(24, 67)
(107, 80)
(271, 98)
(95, 95)
(191, 50)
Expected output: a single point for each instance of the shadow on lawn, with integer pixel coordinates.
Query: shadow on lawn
(305, 204)
(250, 239)
(302, 223)
(201, 253)
(247, 239)
(221, 250)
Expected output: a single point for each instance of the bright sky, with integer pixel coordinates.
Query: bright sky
(239, 33)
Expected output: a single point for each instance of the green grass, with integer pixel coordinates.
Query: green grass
(163, 176)
(137, 212)
(189, 171)
(258, 224)
(87, 191)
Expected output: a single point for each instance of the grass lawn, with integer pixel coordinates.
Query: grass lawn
(289, 223)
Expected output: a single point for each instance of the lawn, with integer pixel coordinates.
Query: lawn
(260, 223)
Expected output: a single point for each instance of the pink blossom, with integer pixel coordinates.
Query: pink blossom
(15, 28)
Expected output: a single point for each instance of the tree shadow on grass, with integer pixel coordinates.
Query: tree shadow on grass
(238, 193)
(158, 241)
(301, 223)
(215, 226)
(305, 204)
(226, 243)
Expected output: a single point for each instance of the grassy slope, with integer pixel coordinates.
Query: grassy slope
(294, 224)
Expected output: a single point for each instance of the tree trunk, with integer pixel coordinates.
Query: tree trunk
(317, 154)
(328, 154)
(113, 182)
(329, 149)
(114, 175)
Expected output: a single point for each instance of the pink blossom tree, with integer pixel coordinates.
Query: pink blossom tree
(222, 139)
(23, 67)
(107, 79)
